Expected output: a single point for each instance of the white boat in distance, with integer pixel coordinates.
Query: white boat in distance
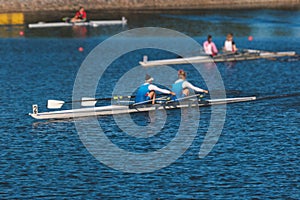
(125, 109)
(227, 57)
(93, 23)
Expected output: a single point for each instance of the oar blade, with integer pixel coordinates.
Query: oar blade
(88, 101)
(55, 104)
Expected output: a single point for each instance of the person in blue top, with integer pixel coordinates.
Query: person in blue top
(146, 92)
(182, 87)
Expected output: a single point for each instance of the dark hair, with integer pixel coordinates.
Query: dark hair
(209, 37)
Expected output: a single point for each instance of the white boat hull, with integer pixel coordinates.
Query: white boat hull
(250, 55)
(122, 109)
(123, 21)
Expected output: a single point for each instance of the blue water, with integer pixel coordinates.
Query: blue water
(256, 156)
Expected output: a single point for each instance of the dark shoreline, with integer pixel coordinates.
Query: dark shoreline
(35, 16)
(144, 5)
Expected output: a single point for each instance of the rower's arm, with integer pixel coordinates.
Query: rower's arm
(214, 48)
(155, 88)
(187, 84)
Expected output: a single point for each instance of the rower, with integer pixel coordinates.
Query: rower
(229, 44)
(80, 15)
(182, 87)
(146, 92)
(210, 47)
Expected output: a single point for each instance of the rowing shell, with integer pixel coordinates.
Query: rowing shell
(248, 55)
(123, 109)
(123, 21)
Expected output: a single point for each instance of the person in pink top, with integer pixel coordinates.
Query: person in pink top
(210, 47)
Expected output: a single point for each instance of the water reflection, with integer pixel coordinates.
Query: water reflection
(259, 23)
(12, 31)
(80, 31)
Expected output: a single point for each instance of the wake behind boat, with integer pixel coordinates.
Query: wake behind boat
(126, 109)
(93, 23)
(240, 56)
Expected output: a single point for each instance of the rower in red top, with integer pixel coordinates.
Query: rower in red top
(80, 15)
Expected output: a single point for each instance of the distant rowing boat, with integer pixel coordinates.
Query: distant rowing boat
(123, 21)
(245, 55)
(125, 109)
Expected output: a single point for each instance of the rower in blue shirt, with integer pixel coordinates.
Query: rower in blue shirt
(146, 92)
(182, 87)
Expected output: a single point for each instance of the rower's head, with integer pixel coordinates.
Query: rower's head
(181, 74)
(148, 78)
(229, 36)
(81, 9)
(209, 38)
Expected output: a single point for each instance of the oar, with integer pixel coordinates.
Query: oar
(198, 54)
(85, 101)
(66, 19)
(182, 98)
(144, 102)
(279, 96)
(296, 57)
(254, 51)
(168, 101)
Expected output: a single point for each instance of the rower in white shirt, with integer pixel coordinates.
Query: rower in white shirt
(229, 45)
